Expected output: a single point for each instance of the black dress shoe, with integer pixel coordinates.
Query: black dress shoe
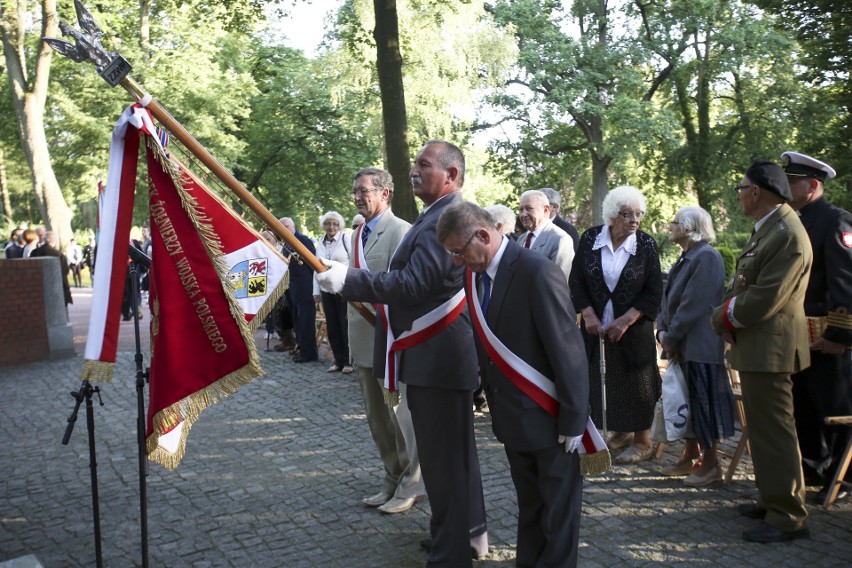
(426, 544)
(300, 359)
(751, 510)
(768, 533)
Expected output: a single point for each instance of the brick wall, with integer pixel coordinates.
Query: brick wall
(23, 327)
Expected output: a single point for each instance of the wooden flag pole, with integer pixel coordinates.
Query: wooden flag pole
(116, 71)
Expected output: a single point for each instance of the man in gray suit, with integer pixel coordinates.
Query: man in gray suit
(373, 243)
(431, 346)
(525, 303)
(542, 235)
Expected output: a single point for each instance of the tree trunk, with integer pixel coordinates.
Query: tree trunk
(394, 122)
(29, 102)
(593, 129)
(145, 27)
(600, 166)
(8, 213)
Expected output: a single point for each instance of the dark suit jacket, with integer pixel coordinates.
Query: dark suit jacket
(640, 286)
(566, 226)
(421, 277)
(830, 286)
(47, 250)
(302, 275)
(531, 312)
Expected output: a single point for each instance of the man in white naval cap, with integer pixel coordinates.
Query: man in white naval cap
(824, 388)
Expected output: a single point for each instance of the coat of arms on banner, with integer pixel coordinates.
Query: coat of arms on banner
(249, 278)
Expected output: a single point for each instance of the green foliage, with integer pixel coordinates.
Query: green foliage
(195, 71)
(824, 121)
(669, 252)
(307, 136)
(729, 257)
(673, 97)
(728, 249)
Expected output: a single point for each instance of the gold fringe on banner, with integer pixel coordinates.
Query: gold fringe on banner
(595, 464)
(100, 371)
(187, 410)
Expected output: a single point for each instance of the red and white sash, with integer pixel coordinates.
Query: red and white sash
(523, 375)
(422, 329)
(360, 259)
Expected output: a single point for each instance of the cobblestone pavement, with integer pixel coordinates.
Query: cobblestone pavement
(274, 475)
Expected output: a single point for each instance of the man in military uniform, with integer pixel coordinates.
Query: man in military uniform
(824, 388)
(763, 318)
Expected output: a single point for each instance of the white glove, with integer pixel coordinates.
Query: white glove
(571, 444)
(333, 279)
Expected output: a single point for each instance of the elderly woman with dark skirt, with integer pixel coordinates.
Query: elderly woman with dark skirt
(695, 286)
(616, 284)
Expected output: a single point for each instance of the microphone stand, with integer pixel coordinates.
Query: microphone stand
(85, 393)
(140, 259)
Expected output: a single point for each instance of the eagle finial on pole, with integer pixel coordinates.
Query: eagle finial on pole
(87, 47)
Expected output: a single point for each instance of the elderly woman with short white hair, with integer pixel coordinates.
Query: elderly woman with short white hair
(695, 285)
(616, 284)
(335, 245)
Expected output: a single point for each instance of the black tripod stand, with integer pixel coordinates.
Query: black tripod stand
(85, 393)
(140, 259)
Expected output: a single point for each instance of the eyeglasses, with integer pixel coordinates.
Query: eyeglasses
(674, 222)
(739, 188)
(628, 215)
(460, 253)
(362, 191)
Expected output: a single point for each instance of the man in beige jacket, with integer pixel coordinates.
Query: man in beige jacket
(374, 243)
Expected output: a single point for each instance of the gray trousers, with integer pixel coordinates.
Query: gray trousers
(393, 434)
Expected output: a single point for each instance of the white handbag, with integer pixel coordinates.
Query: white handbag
(676, 403)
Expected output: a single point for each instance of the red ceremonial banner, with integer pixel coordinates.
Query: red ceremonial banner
(213, 280)
(202, 347)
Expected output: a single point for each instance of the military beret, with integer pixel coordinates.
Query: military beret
(769, 176)
(796, 164)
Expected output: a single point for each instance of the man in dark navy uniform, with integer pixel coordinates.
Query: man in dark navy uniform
(825, 388)
(302, 305)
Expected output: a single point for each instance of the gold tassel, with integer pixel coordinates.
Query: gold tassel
(391, 398)
(100, 371)
(595, 464)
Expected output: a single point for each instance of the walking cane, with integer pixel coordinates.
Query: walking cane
(602, 345)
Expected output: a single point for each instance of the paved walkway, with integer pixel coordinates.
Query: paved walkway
(274, 475)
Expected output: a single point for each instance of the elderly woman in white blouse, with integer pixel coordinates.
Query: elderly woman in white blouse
(335, 245)
(616, 284)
